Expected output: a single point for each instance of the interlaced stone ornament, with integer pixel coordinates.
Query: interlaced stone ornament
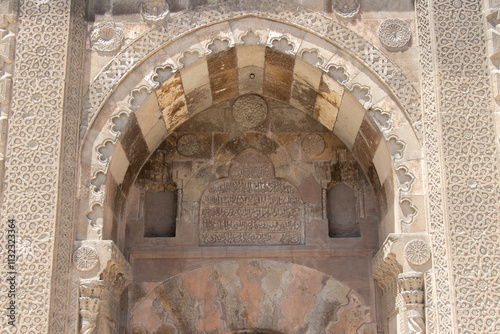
(394, 33)
(85, 258)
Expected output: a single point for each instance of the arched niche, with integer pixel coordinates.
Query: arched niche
(278, 165)
(328, 102)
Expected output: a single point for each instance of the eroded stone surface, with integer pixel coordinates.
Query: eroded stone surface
(255, 294)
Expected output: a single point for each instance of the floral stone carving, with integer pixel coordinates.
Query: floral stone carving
(188, 145)
(106, 36)
(346, 8)
(394, 33)
(85, 258)
(250, 110)
(155, 11)
(417, 252)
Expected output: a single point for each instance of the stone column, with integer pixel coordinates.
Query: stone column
(40, 163)
(411, 288)
(91, 299)
(386, 268)
(104, 274)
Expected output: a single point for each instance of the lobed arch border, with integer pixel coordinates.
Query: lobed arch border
(139, 80)
(306, 20)
(163, 110)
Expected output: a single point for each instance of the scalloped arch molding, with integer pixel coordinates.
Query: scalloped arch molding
(298, 18)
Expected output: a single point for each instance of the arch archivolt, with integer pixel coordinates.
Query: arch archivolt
(178, 81)
(150, 114)
(252, 296)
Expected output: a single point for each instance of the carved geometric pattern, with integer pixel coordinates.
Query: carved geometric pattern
(308, 20)
(417, 252)
(85, 258)
(394, 33)
(471, 165)
(249, 110)
(34, 145)
(313, 144)
(442, 292)
(62, 303)
(188, 145)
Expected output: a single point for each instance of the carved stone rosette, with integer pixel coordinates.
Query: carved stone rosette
(155, 11)
(106, 37)
(394, 33)
(411, 288)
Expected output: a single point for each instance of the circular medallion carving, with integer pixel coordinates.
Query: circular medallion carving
(313, 144)
(417, 252)
(345, 8)
(394, 33)
(155, 11)
(106, 36)
(188, 145)
(249, 110)
(85, 258)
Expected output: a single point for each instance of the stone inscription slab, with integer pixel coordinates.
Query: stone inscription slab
(251, 207)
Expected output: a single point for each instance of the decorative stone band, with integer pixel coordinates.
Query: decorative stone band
(227, 75)
(8, 16)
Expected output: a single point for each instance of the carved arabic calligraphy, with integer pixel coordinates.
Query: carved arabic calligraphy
(251, 207)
